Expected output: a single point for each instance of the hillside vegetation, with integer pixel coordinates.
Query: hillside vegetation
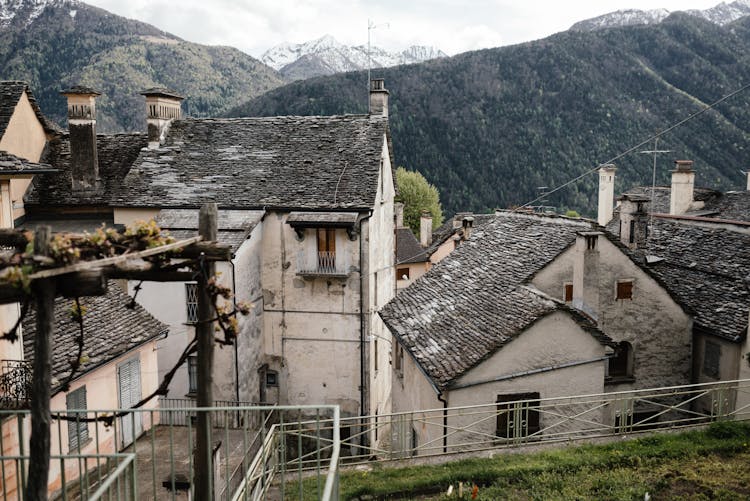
(698, 465)
(490, 127)
(74, 43)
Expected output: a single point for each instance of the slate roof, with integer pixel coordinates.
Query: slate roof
(80, 89)
(474, 302)
(707, 269)
(110, 330)
(234, 226)
(408, 248)
(446, 230)
(161, 91)
(275, 162)
(11, 164)
(10, 93)
(733, 205)
(116, 153)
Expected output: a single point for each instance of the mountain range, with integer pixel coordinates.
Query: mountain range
(326, 56)
(489, 127)
(53, 44)
(721, 14)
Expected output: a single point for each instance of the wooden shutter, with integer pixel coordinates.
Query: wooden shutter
(78, 431)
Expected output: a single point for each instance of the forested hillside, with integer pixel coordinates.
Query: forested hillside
(490, 127)
(53, 44)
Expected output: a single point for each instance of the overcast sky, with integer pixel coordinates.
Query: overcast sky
(451, 25)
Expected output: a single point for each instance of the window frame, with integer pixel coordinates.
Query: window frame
(403, 273)
(504, 426)
(623, 361)
(192, 369)
(568, 292)
(624, 289)
(78, 431)
(714, 370)
(191, 302)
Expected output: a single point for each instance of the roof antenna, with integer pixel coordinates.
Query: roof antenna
(371, 26)
(653, 152)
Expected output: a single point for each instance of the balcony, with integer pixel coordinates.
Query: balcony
(322, 264)
(15, 384)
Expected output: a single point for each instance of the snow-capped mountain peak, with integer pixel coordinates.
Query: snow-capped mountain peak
(326, 55)
(25, 11)
(721, 14)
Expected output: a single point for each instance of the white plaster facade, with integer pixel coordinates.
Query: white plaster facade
(553, 340)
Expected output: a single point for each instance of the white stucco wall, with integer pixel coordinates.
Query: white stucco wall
(311, 324)
(552, 340)
(657, 328)
(102, 393)
(381, 260)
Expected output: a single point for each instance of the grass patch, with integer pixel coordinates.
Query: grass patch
(697, 465)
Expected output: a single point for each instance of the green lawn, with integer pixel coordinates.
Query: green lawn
(711, 464)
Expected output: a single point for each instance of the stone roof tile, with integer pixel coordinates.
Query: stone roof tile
(474, 302)
(111, 329)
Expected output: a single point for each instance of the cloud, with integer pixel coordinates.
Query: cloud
(454, 26)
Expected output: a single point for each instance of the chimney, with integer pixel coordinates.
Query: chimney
(683, 181)
(378, 97)
(84, 160)
(633, 220)
(748, 180)
(468, 224)
(606, 193)
(398, 209)
(586, 273)
(425, 229)
(162, 106)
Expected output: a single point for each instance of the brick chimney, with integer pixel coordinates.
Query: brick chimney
(606, 194)
(378, 97)
(398, 209)
(84, 160)
(633, 220)
(586, 273)
(683, 182)
(162, 106)
(425, 229)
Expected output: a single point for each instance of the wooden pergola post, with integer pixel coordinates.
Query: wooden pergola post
(39, 445)
(203, 480)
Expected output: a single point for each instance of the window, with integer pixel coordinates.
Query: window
(78, 431)
(711, 357)
(398, 356)
(621, 363)
(191, 302)
(568, 292)
(375, 357)
(327, 250)
(624, 289)
(402, 273)
(272, 378)
(517, 415)
(631, 239)
(192, 362)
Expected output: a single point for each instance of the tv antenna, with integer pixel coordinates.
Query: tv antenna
(371, 26)
(656, 151)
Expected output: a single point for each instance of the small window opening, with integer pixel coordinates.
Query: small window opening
(568, 292)
(625, 289)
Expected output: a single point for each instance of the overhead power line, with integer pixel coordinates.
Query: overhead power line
(636, 147)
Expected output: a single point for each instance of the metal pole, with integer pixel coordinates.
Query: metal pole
(39, 447)
(207, 228)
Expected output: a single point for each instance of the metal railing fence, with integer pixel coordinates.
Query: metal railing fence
(161, 442)
(521, 422)
(113, 478)
(323, 263)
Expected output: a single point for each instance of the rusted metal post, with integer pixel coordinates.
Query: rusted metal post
(203, 476)
(39, 447)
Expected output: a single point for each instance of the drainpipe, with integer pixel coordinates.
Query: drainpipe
(236, 352)
(445, 422)
(362, 325)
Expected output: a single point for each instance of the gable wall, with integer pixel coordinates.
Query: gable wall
(381, 246)
(659, 331)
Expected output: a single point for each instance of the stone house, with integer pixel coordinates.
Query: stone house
(321, 256)
(120, 368)
(693, 241)
(474, 330)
